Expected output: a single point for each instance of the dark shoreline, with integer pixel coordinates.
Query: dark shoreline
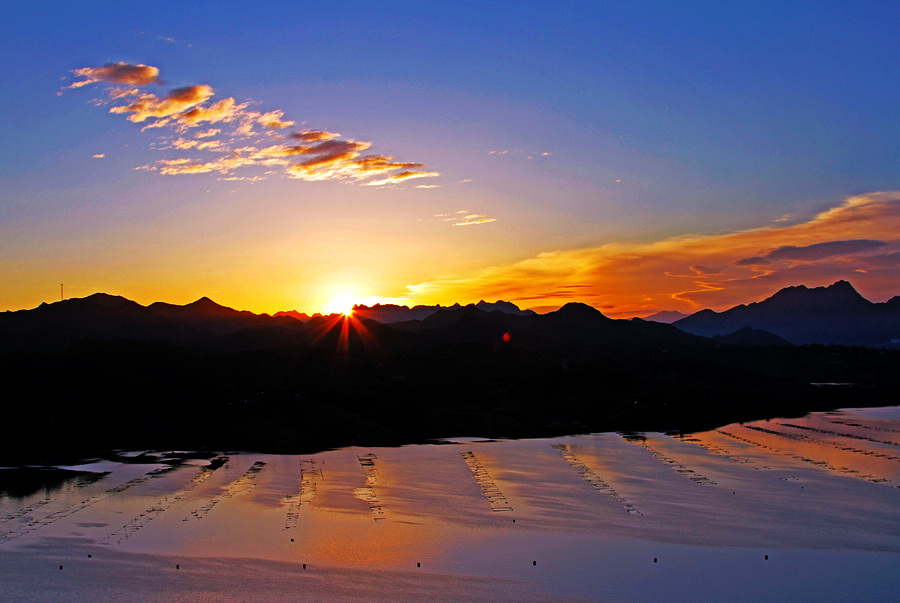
(86, 442)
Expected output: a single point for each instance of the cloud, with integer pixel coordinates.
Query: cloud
(243, 137)
(519, 152)
(407, 175)
(707, 270)
(224, 110)
(330, 159)
(820, 251)
(99, 156)
(314, 135)
(117, 73)
(177, 101)
(886, 260)
(474, 219)
(221, 165)
(244, 178)
(857, 240)
(186, 143)
(274, 120)
(464, 217)
(755, 261)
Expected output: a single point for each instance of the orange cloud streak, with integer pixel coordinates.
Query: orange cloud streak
(858, 240)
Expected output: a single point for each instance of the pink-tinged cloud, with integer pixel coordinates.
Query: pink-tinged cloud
(858, 240)
(243, 138)
(117, 73)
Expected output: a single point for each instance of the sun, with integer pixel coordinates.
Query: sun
(341, 304)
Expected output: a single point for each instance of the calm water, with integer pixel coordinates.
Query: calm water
(777, 510)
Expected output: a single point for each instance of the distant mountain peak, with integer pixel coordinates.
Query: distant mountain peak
(502, 306)
(836, 314)
(838, 295)
(579, 310)
(201, 308)
(206, 304)
(392, 313)
(666, 316)
(104, 299)
(301, 316)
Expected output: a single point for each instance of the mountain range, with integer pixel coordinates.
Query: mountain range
(833, 315)
(391, 313)
(104, 372)
(836, 315)
(103, 317)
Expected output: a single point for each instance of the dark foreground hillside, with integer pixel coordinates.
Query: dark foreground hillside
(295, 387)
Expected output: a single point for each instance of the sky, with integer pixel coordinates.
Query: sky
(634, 156)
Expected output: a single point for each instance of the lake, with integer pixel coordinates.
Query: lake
(783, 509)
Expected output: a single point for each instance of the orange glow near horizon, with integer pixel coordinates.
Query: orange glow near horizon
(855, 241)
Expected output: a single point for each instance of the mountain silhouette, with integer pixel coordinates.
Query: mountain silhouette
(392, 313)
(666, 316)
(103, 317)
(104, 372)
(301, 316)
(836, 315)
(202, 309)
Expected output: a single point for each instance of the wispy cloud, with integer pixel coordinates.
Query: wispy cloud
(858, 240)
(819, 251)
(519, 152)
(242, 137)
(99, 156)
(465, 218)
(472, 219)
